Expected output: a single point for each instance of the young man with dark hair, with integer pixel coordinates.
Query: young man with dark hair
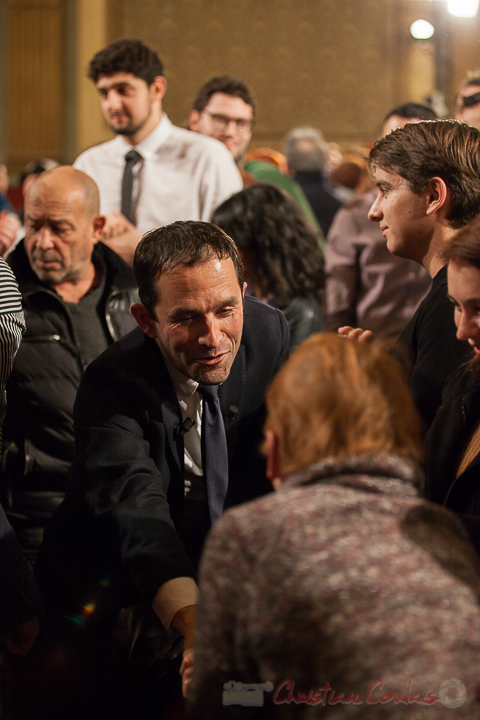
(367, 285)
(224, 109)
(152, 173)
(428, 180)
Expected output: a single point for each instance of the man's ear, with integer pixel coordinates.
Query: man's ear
(158, 88)
(143, 319)
(437, 195)
(98, 225)
(243, 289)
(273, 459)
(194, 120)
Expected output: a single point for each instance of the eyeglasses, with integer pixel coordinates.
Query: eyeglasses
(221, 122)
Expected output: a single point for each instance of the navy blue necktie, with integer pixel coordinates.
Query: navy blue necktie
(127, 209)
(214, 451)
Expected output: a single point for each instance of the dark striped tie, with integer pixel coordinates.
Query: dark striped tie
(131, 159)
(214, 451)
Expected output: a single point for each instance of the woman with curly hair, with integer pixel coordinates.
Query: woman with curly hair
(282, 261)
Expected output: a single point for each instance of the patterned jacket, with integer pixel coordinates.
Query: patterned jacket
(344, 586)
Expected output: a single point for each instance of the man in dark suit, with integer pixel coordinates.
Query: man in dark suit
(145, 488)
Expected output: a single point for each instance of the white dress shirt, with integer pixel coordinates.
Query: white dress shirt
(183, 176)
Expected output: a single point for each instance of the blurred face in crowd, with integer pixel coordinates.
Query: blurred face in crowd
(228, 119)
(394, 122)
(470, 115)
(199, 319)
(464, 292)
(61, 227)
(131, 107)
(402, 216)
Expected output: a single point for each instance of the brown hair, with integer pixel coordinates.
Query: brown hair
(189, 243)
(464, 247)
(226, 84)
(336, 398)
(442, 148)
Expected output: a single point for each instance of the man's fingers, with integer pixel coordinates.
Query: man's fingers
(186, 670)
(362, 336)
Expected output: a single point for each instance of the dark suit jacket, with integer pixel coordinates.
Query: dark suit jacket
(432, 346)
(124, 505)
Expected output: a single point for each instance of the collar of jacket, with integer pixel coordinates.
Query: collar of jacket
(383, 472)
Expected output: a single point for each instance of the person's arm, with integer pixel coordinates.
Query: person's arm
(12, 326)
(119, 451)
(9, 225)
(341, 272)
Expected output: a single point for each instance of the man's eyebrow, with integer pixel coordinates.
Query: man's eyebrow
(55, 221)
(383, 183)
(123, 83)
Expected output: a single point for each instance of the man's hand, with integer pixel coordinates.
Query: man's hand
(121, 236)
(362, 336)
(9, 225)
(186, 670)
(20, 639)
(184, 622)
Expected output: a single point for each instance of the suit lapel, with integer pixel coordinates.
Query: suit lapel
(232, 392)
(154, 376)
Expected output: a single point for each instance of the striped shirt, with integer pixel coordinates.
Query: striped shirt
(12, 326)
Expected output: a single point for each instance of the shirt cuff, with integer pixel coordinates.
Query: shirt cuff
(172, 596)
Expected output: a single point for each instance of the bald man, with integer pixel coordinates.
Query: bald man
(76, 296)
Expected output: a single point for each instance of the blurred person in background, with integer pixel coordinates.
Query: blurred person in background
(344, 582)
(306, 152)
(283, 264)
(467, 100)
(225, 109)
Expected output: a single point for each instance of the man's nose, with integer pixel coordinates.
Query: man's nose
(44, 239)
(375, 213)
(211, 333)
(113, 101)
(231, 127)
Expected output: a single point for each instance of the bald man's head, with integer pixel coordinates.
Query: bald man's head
(62, 225)
(71, 180)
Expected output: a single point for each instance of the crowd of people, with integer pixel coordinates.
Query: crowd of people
(150, 297)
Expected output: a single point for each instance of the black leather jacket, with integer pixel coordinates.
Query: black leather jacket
(38, 429)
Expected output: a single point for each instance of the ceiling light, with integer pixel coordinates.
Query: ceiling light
(421, 29)
(463, 8)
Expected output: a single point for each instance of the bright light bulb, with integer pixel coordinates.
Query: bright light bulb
(422, 29)
(463, 8)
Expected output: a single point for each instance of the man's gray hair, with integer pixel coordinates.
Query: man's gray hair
(306, 150)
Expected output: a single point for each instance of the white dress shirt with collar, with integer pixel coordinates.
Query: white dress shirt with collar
(184, 175)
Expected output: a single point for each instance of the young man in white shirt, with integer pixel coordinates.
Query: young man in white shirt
(170, 174)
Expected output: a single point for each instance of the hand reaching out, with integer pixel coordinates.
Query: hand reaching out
(362, 336)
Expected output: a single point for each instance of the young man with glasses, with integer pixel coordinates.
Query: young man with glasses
(224, 109)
